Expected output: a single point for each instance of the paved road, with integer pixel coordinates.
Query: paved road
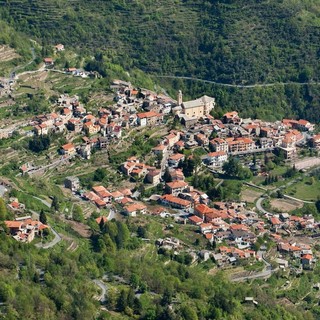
(263, 274)
(13, 72)
(51, 165)
(46, 203)
(57, 237)
(259, 207)
(296, 199)
(257, 85)
(52, 243)
(103, 288)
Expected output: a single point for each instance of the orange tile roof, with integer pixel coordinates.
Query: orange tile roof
(203, 209)
(173, 199)
(68, 146)
(13, 224)
(149, 114)
(195, 219)
(177, 184)
(105, 219)
(176, 156)
(216, 154)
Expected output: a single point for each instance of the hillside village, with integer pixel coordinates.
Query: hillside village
(230, 228)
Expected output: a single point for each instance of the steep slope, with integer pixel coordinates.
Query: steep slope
(230, 41)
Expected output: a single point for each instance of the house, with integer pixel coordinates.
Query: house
(59, 126)
(48, 62)
(174, 160)
(117, 196)
(216, 159)
(59, 47)
(66, 115)
(282, 263)
(75, 125)
(301, 124)
(91, 128)
(153, 177)
(276, 223)
(198, 108)
(102, 193)
(241, 145)
(201, 139)
(150, 118)
(16, 206)
(218, 144)
(103, 142)
(25, 230)
(41, 129)
(133, 209)
(85, 151)
(72, 183)
(160, 149)
(201, 210)
(195, 220)
(315, 142)
(176, 187)
(175, 202)
(231, 117)
(205, 227)
(91, 196)
(68, 149)
(306, 261)
(176, 175)
(171, 139)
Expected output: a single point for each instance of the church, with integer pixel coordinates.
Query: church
(198, 108)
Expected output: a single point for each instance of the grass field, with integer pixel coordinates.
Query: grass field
(304, 189)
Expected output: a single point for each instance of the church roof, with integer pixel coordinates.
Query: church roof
(198, 102)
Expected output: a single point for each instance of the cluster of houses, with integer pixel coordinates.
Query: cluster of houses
(24, 229)
(235, 230)
(102, 197)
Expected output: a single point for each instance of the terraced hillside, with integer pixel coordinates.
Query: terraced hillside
(230, 41)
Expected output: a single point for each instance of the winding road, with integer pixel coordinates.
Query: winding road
(14, 70)
(52, 243)
(57, 237)
(265, 273)
(104, 289)
(259, 207)
(257, 85)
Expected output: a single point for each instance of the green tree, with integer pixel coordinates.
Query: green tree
(188, 313)
(122, 301)
(55, 203)
(43, 217)
(142, 232)
(77, 213)
(100, 174)
(3, 210)
(231, 167)
(317, 204)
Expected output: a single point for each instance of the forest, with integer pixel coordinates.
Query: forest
(233, 42)
(57, 283)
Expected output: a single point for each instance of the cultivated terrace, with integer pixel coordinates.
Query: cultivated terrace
(165, 179)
